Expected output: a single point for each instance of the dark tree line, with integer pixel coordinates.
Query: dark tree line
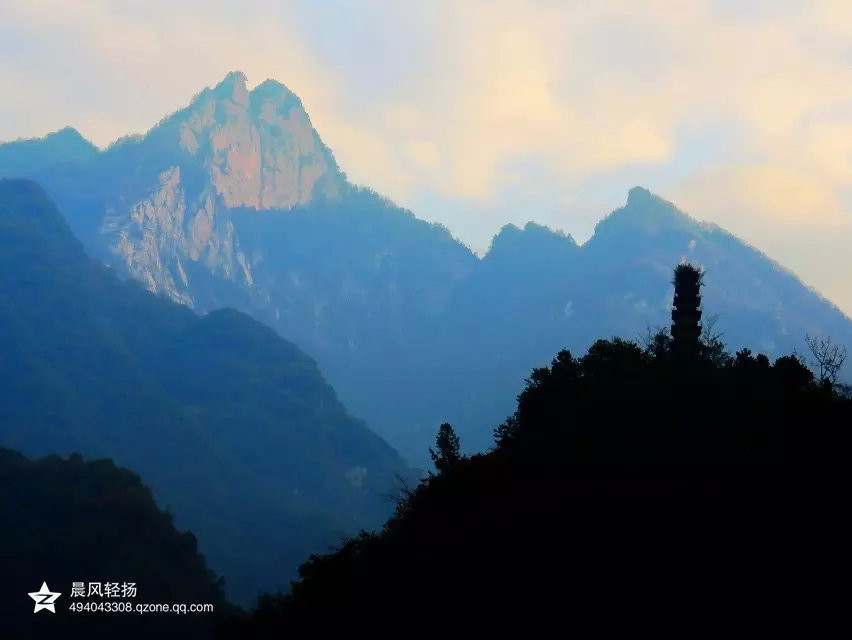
(670, 484)
(67, 520)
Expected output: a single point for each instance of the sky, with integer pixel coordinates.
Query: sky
(479, 113)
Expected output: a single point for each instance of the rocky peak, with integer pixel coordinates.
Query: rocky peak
(230, 148)
(277, 93)
(259, 147)
(644, 213)
(233, 88)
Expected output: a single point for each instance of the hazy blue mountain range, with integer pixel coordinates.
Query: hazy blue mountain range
(235, 201)
(233, 427)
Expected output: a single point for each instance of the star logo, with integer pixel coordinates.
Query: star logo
(44, 599)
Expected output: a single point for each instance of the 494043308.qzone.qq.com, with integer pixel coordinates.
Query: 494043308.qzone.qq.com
(111, 597)
(180, 608)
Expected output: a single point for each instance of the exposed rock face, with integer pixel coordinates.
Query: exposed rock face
(163, 233)
(259, 147)
(230, 148)
(152, 233)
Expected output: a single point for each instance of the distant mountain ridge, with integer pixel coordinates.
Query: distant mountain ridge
(235, 201)
(60, 147)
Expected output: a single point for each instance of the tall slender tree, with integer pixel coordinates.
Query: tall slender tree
(448, 452)
(686, 311)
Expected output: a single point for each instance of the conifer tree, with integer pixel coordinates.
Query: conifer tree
(447, 443)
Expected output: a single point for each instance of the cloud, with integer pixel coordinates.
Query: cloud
(482, 112)
(110, 68)
(761, 196)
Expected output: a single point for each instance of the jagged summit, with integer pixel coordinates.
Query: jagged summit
(640, 195)
(273, 90)
(534, 240)
(234, 81)
(259, 146)
(229, 148)
(234, 87)
(644, 213)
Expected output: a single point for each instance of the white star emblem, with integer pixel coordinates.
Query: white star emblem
(44, 599)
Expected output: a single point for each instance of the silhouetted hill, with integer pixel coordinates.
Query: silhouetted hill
(233, 427)
(671, 487)
(235, 201)
(65, 521)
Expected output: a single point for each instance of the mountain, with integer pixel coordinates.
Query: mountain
(542, 293)
(670, 487)
(759, 303)
(230, 148)
(59, 148)
(66, 521)
(234, 428)
(235, 201)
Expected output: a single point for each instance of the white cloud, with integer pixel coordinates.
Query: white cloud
(539, 109)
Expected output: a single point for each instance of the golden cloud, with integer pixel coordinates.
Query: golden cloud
(587, 89)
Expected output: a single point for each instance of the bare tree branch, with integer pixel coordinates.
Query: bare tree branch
(827, 357)
(709, 335)
(401, 494)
